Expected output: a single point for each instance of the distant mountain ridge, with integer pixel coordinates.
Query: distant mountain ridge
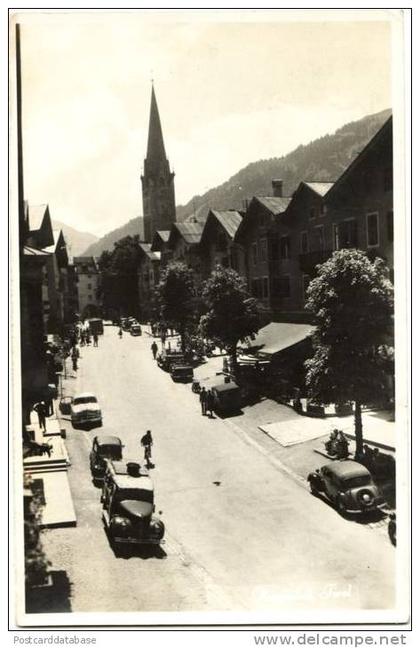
(134, 226)
(323, 159)
(77, 242)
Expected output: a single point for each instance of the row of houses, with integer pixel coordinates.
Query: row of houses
(277, 242)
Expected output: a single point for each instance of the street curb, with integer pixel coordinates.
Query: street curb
(266, 453)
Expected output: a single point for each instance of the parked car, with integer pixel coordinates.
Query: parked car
(103, 448)
(392, 528)
(85, 410)
(181, 372)
(135, 329)
(227, 398)
(169, 357)
(128, 506)
(348, 485)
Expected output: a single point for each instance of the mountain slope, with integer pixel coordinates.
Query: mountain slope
(77, 242)
(323, 159)
(134, 226)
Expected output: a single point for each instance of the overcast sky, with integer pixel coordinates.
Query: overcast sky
(229, 93)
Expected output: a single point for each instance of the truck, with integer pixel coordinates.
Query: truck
(96, 325)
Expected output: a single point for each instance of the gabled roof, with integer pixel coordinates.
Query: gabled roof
(275, 204)
(28, 250)
(146, 248)
(57, 234)
(383, 132)
(190, 232)
(229, 220)
(36, 214)
(160, 237)
(320, 188)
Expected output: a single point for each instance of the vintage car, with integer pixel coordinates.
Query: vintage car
(227, 398)
(392, 528)
(348, 485)
(181, 372)
(135, 329)
(128, 506)
(168, 357)
(103, 448)
(85, 410)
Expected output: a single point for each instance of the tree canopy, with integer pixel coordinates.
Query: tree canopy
(352, 302)
(176, 298)
(231, 313)
(119, 269)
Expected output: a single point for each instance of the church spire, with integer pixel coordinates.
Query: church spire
(157, 180)
(155, 145)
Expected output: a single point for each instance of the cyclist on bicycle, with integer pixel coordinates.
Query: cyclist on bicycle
(147, 442)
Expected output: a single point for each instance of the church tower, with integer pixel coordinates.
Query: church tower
(157, 181)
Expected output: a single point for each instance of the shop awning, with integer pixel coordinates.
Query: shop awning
(278, 336)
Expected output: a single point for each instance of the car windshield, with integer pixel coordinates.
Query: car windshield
(137, 494)
(81, 400)
(111, 451)
(359, 480)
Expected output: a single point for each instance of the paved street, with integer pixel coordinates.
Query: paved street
(242, 533)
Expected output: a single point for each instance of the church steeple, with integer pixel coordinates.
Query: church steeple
(158, 180)
(155, 145)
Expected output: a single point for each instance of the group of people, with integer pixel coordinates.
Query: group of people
(207, 402)
(86, 338)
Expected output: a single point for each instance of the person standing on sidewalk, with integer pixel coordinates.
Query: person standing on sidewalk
(154, 348)
(95, 339)
(203, 401)
(210, 403)
(41, 410)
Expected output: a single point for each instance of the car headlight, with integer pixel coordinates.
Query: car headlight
(120, 525)
(157, 528)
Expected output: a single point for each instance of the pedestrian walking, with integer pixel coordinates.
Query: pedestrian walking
(154, 348)
(120, 333)
(147, 442)
(95, 339)
(210, 403)
(74, 363)
(41, 410)
(203, 401)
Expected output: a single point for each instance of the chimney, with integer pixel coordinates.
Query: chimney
(277, 188)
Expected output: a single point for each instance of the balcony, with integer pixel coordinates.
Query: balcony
(310, 260)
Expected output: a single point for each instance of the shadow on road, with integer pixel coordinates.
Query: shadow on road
(360, 518)
(144, 552)
(53, 597)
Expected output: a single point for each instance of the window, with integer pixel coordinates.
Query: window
(284, 247)
(345, 234)
(388, 179)
(89, 286)
(390, 226)
(90, 297)
(319, 237)
(265, 287)
(312, 212)
(254, 252)
(304, 247)
(323, 209)
(255, 287)
(372, 230)
(263, 249)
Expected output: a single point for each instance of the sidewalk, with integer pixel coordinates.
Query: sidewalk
(51, 473)
(294, 440)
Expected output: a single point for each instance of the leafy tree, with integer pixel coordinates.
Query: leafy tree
(232, 313)
(36, 562)
(119, 283)
(352, 301)
(176, 298)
